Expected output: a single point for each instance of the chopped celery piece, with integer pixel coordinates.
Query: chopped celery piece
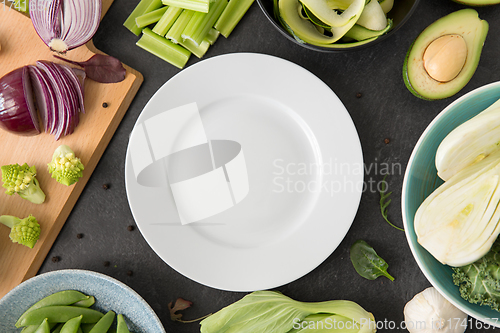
(21, 5)
(150, 18)
(144, 7)
(163, 48)
(201, 23)
(198, 51)
(167, 20)
(174, 34)
(232, 15)
(196, 5)
(212, 36)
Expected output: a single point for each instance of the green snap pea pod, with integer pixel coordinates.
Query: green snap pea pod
(72, 325)
(65, 297)
(44, 327)
(104, 323)
(86, 328)
(121, 326)
(60, 314)
(33, 328)
(84, 303)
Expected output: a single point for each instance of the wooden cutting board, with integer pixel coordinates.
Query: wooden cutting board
(20, 46)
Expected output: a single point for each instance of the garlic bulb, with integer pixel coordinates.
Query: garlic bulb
(430, 312)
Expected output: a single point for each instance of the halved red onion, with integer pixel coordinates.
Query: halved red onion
(65, 24)
(17, 108)
(56, 89)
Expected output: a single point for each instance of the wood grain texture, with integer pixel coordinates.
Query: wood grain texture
(22, 46)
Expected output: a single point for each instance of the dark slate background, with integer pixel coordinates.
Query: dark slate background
(385, 110)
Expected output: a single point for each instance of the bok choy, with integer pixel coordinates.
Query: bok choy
(273, 312)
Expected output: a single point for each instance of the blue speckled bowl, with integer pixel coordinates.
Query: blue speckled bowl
(110, 294)
(421, 179)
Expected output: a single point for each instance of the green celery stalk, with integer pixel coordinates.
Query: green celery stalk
(232, 15)
(198, 51)
(167, 20)
(201, 23)
(150, 18)
(196, 5)
(212, 36)
(174, 33)
(163, 48)
(144, 7)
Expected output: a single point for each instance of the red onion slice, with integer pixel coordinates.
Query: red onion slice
(17, 108)
(65, 24)
(59, 112)
(44, 96)
(70, 96)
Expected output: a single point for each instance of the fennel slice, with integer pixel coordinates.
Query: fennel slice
(454, 184)
(459, 220)
(451, 213)
(453, 152)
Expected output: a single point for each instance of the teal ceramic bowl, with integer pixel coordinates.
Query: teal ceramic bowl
(421, 179)
(110, 294)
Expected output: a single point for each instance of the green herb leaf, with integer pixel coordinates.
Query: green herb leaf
(367, 262)
(384, 204)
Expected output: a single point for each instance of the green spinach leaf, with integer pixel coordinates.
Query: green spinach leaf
(367, 262)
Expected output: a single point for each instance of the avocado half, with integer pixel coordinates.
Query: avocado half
(473, 30)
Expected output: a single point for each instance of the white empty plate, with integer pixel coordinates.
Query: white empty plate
(302, 160)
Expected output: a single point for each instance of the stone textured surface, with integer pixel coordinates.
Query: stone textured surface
(386, 109)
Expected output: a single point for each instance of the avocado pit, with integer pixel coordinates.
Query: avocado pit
(445, 57)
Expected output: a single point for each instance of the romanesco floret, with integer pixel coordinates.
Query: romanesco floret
(21, 179)
(23, 231)
(65, 167)
(479, 282)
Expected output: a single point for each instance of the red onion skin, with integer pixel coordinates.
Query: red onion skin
(14, 110)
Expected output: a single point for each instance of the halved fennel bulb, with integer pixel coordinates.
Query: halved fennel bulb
(469, 143)
(459, 221)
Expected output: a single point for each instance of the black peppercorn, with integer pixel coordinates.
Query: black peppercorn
(79, 236)
(107, 263)
(386, 141)
(104, 105)
(55, 259)
(130, 228)
(105, 186)
(358, 95)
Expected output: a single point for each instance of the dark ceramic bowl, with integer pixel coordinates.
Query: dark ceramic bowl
(400, 13)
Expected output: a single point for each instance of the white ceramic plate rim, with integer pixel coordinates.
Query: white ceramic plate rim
(121, 285)
(403, 204)
(303, 265)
